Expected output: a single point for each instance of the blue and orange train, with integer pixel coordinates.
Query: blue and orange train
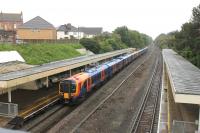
(77, 86)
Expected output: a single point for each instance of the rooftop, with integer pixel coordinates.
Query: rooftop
(13, 17)
(37, 23)
(91, 30)
(67, 28)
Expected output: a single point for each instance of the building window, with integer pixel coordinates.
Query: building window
(35, 30)
(75, 33)
(66, 33)
(15, 26)
(5, 27)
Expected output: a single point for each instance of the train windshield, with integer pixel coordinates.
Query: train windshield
(68, 86)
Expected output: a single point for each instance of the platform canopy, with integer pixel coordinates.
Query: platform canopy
(184, 78)
(15, 78)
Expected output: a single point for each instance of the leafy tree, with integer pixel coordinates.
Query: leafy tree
(133, 38)
(121, 38)
(196, 14)
(91, 44)
(186, 41)
(125, 36)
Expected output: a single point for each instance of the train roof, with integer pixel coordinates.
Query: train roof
(79, 77)
(96, 69)
(124, 56)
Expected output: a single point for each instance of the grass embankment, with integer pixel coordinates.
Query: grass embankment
(37, 54)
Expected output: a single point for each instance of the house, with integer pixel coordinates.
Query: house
(67, 31)
(36, 29)
(8, 25)
(90, 32)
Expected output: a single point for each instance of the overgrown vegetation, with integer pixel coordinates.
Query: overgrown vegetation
(36, 54)
(186, 41)
(121, 38)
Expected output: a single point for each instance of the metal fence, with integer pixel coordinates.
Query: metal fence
(8, 109)
(183, 127)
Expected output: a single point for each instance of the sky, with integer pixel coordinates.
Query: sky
(151, 17)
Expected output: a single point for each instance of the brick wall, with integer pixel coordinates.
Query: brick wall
(9, 26)
(36, 34)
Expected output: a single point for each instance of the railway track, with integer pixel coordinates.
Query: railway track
(54, 115)
(47, 120)
(57, 112)
(146, 119)
(132, 74)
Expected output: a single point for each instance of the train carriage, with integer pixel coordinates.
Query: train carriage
(80, 84)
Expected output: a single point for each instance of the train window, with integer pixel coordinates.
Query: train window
(68, 86)
(85, 84)
(94, 78)
(99, 76)
(106, 71)
(63, 87)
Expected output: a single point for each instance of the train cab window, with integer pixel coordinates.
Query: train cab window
(68, 86)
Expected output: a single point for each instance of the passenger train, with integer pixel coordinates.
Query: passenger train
(78, 86)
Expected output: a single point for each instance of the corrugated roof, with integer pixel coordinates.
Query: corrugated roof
(184, 75)
(11, 17)
(91, 30)
(37, 23)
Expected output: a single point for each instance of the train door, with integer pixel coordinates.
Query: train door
(102, 75)
(89, 82)
(84, 89)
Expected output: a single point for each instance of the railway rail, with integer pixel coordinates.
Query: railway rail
(41, 119)
(146, 118)
(78, 125)
(48, 119)
(32, 111)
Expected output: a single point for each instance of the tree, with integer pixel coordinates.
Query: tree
(121, 38)
(196, 14)
(132, 38)
(124, 34)
(91, 44)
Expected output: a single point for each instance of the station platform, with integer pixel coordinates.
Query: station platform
(179, 110)
(4, 121)
(24, 97)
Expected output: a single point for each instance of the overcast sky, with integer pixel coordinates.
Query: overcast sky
(151, 17)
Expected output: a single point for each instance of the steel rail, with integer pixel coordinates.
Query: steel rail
(52, 112)
(136, 120)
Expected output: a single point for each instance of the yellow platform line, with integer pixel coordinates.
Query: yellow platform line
(38, 105)
(168, 105)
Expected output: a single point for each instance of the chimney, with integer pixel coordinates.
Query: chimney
(22, 16)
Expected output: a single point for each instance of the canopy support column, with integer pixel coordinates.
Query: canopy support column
(9, 95)
(47, 82)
